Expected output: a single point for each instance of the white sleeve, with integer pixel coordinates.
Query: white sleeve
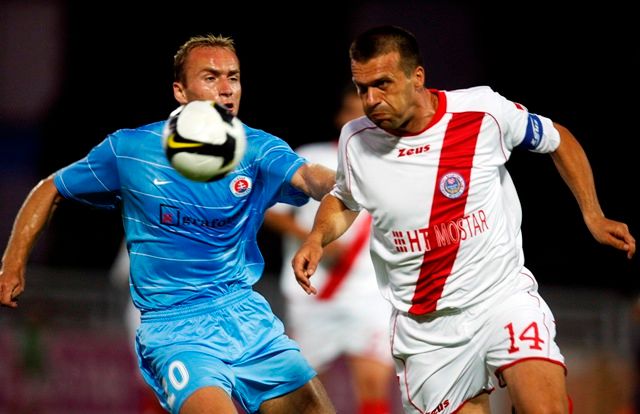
(342, 188)
(526, 130)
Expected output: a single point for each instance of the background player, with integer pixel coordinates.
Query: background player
(348, 316)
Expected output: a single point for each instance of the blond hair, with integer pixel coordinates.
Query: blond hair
(208, 40)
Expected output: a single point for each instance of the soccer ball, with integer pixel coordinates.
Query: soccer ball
(203, 141)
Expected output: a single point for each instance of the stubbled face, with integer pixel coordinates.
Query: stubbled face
(386, 93)
(211, 73)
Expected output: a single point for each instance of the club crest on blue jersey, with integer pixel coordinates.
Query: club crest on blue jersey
(452, 185)
(241, 186)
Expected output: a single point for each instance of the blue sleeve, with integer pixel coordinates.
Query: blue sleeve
(277, 164)
(289, 193)
(93, 180)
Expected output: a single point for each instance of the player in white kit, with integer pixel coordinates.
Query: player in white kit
(348, 316)
(429, 166)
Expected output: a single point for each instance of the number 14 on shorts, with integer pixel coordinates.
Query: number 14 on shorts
(528, 336)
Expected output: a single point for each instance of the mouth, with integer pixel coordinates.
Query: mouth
(378, 116)
(229, 106)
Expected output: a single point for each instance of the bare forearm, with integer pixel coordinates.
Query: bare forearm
(29, 223)
(573, 165)
(332, 220)
(315, 180)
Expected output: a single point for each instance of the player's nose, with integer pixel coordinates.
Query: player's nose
(224, 87)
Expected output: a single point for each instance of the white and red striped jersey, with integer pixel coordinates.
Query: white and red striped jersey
(351, 279)
(446, 215)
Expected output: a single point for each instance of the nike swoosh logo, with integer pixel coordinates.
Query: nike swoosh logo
(157, 181)
(172, 143)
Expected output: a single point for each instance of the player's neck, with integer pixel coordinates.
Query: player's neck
(426, 108)
(430, 107)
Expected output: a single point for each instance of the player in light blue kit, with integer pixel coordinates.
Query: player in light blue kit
(205, 334)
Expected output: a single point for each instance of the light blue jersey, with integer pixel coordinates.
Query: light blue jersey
(189, 242)
(194, 259)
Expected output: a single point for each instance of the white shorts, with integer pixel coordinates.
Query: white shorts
(327, 329)
(444, 361)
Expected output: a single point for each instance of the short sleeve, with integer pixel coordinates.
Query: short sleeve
(277, 164)
(94, 179)
(526, 130)
(342, 188)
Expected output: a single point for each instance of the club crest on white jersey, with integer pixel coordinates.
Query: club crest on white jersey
(452, 185)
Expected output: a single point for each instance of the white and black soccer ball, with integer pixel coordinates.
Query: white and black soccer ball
(203, 141)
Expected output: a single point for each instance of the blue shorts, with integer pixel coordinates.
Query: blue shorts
(234, 342)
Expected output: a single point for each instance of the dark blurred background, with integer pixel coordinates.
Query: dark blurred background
(73, 72)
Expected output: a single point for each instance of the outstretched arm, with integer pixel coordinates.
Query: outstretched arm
(332, 220)
(29, 223)
(314, 180)
(573, 165)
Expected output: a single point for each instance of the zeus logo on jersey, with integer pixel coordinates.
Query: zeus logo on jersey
(440, 234)
(404, 152)
(440, 408)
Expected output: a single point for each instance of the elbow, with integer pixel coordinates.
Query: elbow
(315, 180)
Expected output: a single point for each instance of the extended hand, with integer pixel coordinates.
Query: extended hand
(305, 263)
(613, 233)
(11, 286)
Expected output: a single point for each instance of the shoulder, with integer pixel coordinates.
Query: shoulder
(256, 134)
(357, 127)
(145, 131)
(475, 94)
(478, 98)
(261, 144)
(475, 90)
(257, 138)
(129, 141)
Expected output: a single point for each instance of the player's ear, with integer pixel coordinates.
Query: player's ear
(419, 77)
(179, 94)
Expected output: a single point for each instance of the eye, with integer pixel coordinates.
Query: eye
(383, 84)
